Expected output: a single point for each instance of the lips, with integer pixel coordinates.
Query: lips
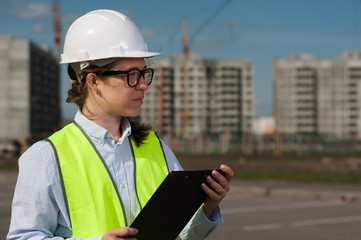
(138, 100)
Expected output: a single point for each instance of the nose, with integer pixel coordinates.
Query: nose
(142, 85)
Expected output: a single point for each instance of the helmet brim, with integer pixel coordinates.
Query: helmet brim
(135, 54)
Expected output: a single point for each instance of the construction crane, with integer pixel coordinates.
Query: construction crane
(57, 29)
(187, 40)
(56, 51)
(185, 100)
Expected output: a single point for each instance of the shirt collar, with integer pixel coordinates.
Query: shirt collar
(99, 133)
(127, 130)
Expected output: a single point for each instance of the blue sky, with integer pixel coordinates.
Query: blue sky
(261, 30)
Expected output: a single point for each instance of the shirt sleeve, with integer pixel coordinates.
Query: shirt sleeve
(38, 208)
(199, 227)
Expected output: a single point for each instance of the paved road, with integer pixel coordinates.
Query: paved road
(265, 210)
(262, 218)
(7, 184)
(284, 210)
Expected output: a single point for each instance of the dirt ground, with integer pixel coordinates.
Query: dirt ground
(256, 163)
(8, 163)
(270, 163)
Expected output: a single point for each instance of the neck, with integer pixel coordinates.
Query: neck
(101, 118)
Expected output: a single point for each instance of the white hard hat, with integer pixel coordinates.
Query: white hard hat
(103, 34)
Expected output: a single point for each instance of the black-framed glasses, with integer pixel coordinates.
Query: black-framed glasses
(133, 75)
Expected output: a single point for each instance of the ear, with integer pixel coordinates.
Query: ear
(91, 80)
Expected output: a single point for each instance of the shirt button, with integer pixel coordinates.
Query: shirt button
(121, 185)
(116, 152)
(100, 141)
(108, 135)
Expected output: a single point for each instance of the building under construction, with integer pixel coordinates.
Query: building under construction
(318, 96)
(218, 98)
(29, 97)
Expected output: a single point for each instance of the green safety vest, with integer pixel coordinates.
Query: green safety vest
(93, 202)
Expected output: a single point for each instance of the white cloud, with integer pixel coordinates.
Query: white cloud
(39, 28)
(34, 10)
(150, 32)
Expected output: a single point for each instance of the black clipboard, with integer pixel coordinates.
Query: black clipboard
(172, 205)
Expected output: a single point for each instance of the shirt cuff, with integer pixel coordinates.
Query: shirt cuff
(216, 216)
(200, 226)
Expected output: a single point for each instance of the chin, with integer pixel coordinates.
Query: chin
(130, 112)
(135, 114)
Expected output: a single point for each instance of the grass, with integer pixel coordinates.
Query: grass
(8, 167)
(300, 176)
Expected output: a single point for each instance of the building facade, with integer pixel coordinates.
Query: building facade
(318, 96)
(29, 96)
(215, 98)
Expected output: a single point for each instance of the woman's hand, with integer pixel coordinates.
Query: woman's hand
(220, 187)
(121, 233)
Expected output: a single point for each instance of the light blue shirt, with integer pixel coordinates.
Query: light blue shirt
(39, 210)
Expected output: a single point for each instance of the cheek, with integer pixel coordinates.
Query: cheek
(116, 96)
(114, 90)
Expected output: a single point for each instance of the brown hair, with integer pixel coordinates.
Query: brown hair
(79, 92)
(140, 131)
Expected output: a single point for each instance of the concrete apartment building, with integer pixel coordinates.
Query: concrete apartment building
(29, 93)
(218, 98)
(318, 96)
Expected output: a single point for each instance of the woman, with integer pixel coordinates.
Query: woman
(91, 179)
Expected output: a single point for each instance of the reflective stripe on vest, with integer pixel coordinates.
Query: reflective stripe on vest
(93, 202)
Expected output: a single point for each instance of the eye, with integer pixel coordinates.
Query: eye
(133, 73)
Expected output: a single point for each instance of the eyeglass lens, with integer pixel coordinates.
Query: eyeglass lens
(135, 75)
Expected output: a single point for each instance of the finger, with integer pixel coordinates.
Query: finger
(222, 178)
(217, 187)
(211, 194)
(219, 178)
(228, 171)
(125, 232)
